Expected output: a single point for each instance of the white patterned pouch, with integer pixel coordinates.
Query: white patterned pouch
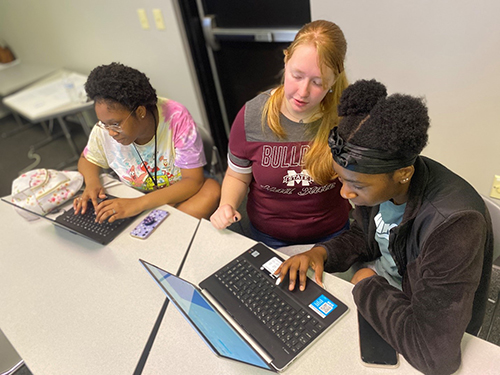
(42, 190)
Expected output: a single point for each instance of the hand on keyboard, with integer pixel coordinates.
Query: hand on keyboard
(300, 263)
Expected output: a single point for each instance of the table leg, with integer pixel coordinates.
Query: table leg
(51, 137)
(72, 145)
(22, 126)
(86, 122)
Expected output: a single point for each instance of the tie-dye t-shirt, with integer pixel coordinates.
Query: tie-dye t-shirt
(179, 146)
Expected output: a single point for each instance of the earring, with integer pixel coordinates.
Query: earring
(405, 180)
(330, 91)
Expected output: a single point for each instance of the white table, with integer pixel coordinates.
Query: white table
(72, 306)
(29, 103)
(20, 75)
(179, 350)
(15, 76)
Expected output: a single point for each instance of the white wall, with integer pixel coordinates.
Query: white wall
(81, 35)
(445, 50)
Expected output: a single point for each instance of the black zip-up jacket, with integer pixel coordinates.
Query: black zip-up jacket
(443, 250)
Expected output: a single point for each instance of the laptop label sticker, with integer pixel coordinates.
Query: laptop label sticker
(322, 306)
(272, 265)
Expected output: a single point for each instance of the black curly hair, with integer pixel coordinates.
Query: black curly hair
(117, 83)
(396, 124)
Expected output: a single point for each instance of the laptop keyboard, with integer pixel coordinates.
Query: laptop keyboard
(88, 223)
(294, 327)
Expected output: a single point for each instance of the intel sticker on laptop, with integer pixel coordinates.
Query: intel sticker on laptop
(323, 306)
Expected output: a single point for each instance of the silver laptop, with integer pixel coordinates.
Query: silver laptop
(242, 314)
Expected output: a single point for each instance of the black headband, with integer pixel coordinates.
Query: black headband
(364, 160)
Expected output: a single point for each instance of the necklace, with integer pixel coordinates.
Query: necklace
(155, 180)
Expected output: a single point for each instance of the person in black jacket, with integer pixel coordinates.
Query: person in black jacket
(421, 237)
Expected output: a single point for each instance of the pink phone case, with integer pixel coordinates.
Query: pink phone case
(149, 224)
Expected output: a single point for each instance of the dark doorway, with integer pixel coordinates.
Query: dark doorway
(237, 49)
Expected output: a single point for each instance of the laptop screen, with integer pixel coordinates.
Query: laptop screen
(214, 329)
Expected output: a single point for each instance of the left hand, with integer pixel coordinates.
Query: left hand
(118, 208)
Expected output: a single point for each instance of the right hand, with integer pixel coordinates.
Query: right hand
(90, 193)
(224, 216)
(300, 263)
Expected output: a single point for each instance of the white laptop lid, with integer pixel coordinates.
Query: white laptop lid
(217, 333)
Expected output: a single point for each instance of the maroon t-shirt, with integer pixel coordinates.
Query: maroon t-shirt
(283, 201)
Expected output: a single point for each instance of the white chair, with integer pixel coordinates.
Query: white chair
(214, 165)
(494, 209)
(10, 361)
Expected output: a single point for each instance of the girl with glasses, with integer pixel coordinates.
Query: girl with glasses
(151, 143)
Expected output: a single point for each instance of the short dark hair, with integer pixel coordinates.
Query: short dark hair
(121, 84)
(396, 124)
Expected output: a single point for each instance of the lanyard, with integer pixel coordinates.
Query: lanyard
(155, 180)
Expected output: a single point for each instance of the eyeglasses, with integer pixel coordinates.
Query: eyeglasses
(115, 127)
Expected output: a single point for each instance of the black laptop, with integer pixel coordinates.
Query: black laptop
(242, 314)
(82, 225)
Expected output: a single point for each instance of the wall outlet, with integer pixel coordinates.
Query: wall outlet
(143, 18)
(495, 189)
(158, 16)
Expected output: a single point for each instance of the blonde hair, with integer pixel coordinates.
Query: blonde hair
(331, 47)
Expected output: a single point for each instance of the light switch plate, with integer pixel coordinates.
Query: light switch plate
(143, 18)
(158, 16)
(495, 189)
